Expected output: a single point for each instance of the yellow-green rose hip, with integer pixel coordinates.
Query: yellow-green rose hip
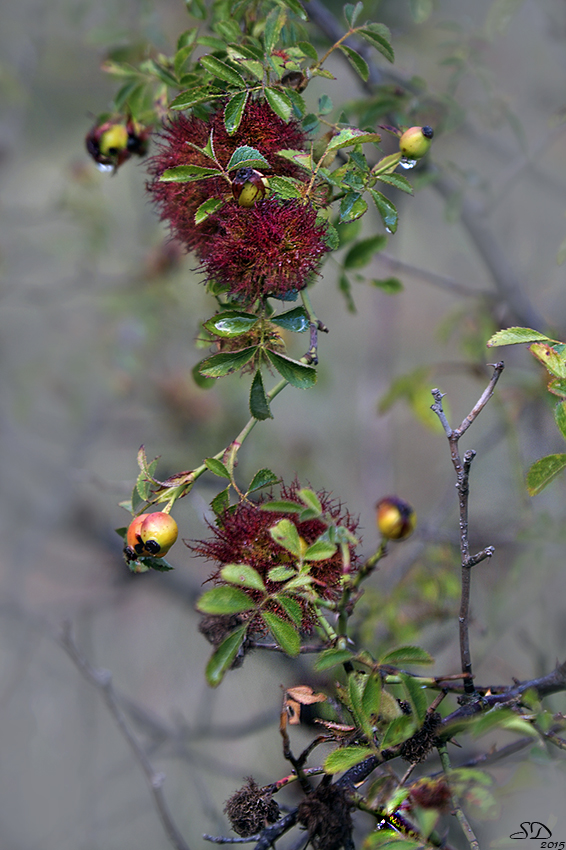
(415, 142)
(158, 533)
(396, 519)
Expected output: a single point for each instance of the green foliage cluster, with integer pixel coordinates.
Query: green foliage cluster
(298, 582)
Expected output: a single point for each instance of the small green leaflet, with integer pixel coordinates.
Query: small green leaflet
(344, 759)
(225, 362)
(223, 657)
(246, 157)
(234, 111)
(285, 533)
(357, 62)
(187, 173)
(223, 71)
(230, 323)
(407, 655)
(294, 320)
(262, 478)
(259, 403)
(279, 102)
(284, 633)
(295, 373)
(242, 575)
(543, 471)
(362, 252)
(225, 600)
(514, 336)
(207, 208)
(217, 467)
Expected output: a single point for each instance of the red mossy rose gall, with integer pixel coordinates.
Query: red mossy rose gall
(260, 128)
(242, 536)
(271, 247)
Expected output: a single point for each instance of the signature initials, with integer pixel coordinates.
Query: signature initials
(532, 829)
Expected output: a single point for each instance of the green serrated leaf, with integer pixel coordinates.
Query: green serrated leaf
(246, 156)
(330, 236)
(225, 362)
(310, 499)
(330, 658)
(284, 633)
(398, 181)
(297, 374)
(192, 97)
(242, 575)
(361, 253)
(371, 697)
(262, 478)
(181, 56)
(279, 102)
(415, 695)
(259, 403)
(223, 657)
(221, 502)
(557, 386)
(285, 187)
(389, 285)
(550, 357)
(407, 655)
(282, 506)
(291, 608)
(398, 731)
(356, 685)
(234, 111)
(187, 173)
(357, 62)
(345, 758)
(295, 320)
(225, 600)
(285, 533)
(207, 208)
(281, 573)
(386, 209)
(320, 550)
(137, 501)
(309, 50)
(514, 336)
(543, 471)
(352, 12)
(379, 37)
(212, 42)
(352, 206)
(200, 380)
(296, 8)
(560, 417)
(352, 136)
(231, 323)
(274, 23)
(217, 467)
(223, 71)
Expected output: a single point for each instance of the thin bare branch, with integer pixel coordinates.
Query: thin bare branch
(102, 681)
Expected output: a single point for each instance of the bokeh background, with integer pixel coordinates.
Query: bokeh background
(97, 335)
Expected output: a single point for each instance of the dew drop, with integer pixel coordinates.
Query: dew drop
(104, 168)
(407, 163)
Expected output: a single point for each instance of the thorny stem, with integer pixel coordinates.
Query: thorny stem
(458, 811)
(462, 469)
(102, 680)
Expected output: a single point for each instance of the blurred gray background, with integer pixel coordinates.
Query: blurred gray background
(96, 350)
